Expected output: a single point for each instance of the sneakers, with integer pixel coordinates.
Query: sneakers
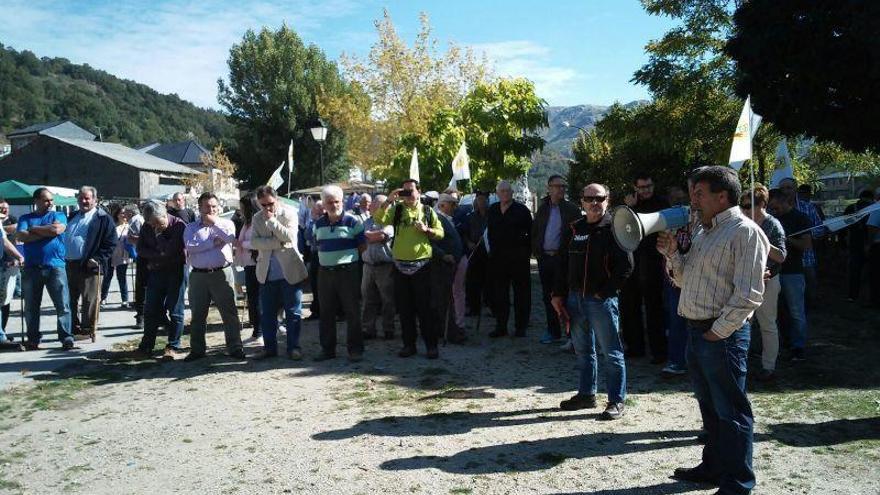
(673, 370)
(324, 356)
(578, 402)
(614, 410)
(407, 351)
(68, 346)
(188, 359)
(567, 345)
(170, 354)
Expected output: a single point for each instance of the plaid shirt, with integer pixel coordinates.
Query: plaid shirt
(722, 275)
(809, 210)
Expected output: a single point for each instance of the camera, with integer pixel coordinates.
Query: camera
(406, 193)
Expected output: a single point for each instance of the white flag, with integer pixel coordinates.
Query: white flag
(414, 166)
(836, 223)
(290, 157)
(746, 128)
(276, 180)
(783, 168)
(461, 167)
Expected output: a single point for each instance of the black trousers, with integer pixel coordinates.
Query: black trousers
(476, 286)
(508, 271)
(412, 295)
(140, 286)
(547, 272)
(442, 274)
(313, 266)
(874, 273)
(340, 287)
(644, 287)
(252, 291)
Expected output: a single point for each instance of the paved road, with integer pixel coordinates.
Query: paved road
(17, 367)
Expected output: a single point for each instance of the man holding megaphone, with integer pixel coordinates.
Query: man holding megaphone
(591, 272)
(722, 284)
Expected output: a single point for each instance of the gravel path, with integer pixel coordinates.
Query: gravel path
(481, 419)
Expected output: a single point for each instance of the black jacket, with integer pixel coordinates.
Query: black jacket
(568, 211)
(590, 261)
(100, 241)
(509, 232)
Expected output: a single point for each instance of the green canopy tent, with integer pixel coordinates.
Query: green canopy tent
(19, 193)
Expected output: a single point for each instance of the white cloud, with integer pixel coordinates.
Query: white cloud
(173, 47)
(522, 58)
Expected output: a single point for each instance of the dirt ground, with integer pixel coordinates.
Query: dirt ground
(483, 418)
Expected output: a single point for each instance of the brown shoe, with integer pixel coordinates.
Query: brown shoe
(169, 354)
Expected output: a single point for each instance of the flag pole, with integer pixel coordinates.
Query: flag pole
(289, 171)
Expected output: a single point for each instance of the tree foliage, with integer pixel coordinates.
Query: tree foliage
(499, 122)
(400, 90)
(271, 96)
(812, 68)
(34, 90)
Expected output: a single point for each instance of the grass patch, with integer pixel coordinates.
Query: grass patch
(9, 485)
(461, 490)
(797, 405)
(21, 402)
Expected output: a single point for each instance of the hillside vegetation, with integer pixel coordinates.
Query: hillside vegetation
(34, 90)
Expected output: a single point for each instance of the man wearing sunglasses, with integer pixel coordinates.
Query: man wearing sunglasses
(592, 269)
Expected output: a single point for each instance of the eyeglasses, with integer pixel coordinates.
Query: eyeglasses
(593, 199)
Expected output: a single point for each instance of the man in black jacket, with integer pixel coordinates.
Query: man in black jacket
(646, 284)
(592, 271)
(89, 241)
(510, 229)
(553, 216)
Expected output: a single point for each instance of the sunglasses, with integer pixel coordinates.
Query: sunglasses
(593, 199)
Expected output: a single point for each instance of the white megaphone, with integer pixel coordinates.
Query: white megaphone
(630, 228)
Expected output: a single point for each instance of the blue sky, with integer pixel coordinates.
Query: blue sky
(575, 51)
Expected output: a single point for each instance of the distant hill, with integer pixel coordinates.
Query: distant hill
(34, 90)
(557, 151)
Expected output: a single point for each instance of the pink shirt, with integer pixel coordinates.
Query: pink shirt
(198, 240)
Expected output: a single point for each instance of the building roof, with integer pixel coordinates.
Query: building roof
(185, 152)
(129, 156)
(60, 128)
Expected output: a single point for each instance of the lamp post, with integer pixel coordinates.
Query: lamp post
(566, 123)
(319, 134)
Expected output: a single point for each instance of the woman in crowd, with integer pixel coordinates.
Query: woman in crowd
(119, 260)
(244, 257)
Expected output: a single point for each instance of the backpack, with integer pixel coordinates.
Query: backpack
(427, 212)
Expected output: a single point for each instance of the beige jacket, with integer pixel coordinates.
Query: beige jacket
(278, 236)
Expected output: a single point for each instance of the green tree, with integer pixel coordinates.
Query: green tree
(499, 122)
(400, 89)
(812, 68)
(271, 96)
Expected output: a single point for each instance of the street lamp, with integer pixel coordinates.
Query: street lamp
(566, 123)
(319, 134)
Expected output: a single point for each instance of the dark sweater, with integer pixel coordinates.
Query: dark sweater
(163, 251)
(510, 232)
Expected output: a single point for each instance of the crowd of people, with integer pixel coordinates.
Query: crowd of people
(426, 262)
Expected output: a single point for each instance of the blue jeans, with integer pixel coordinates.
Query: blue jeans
(595, 319)
(54, 279)
(121, 271)
(678, 335)
(164, 293)
(793, 290)
(718, 373)
(275, 295)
